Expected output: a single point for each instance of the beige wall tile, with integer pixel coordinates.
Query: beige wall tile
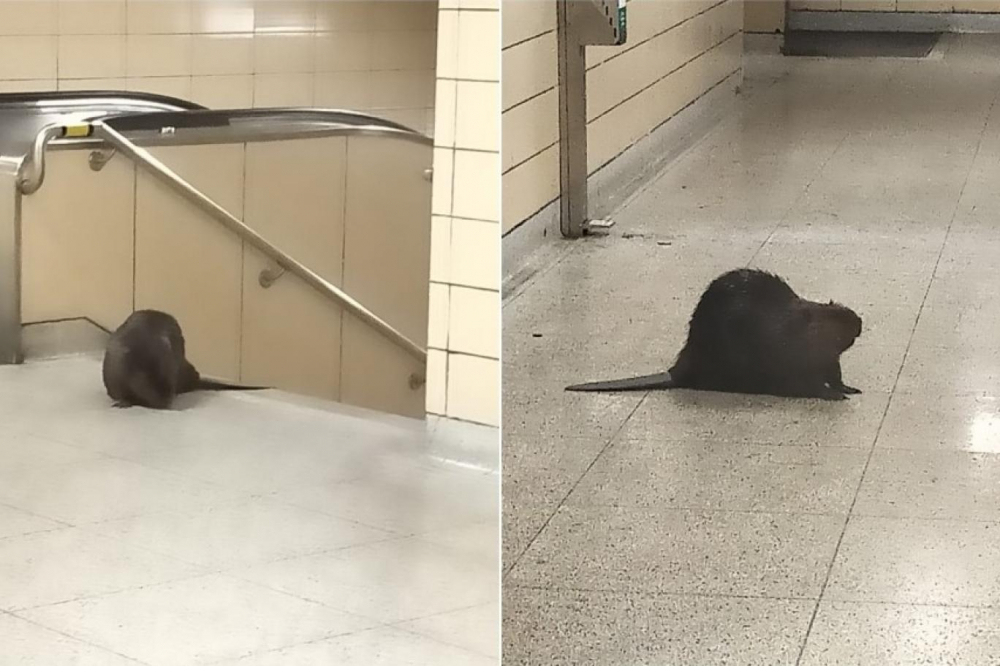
(92, 17)
(295, 198)
(343, 90)
(93, 84)
(282, 90)
(222, 54)
(27, 85)
(170, 232)
(172, 86)
(437, 381)
(405, 14)
(478, 117)
(403, 49)
(475, 254)
(91, 56)
(36, 57)
(444, 167)
(476, 29)
(223, 92)
(375, 373)
(285, 16)
(530, 69)
(281, 53)
(79, 224)
(447, 45)
(441, 248)
(398, 89)
(473, 389)
(343, 51)
(28, 17)
(304, 358)
(155, 17)
(530, 187)
(158, 55)
(222, 16)
(528, 20)
(437, 316)
(477, 185)
(336, 15)
(530, 128)
(387, 238)
(474, 324)
(444, 120)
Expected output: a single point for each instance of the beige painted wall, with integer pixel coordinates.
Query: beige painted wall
(463, 374)
(979, 6)
(767, 16)
(676, 52)
(362, 55)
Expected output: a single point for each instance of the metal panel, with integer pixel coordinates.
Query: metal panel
(10, 263)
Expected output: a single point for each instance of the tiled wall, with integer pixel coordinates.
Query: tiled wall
(937, 6)
(764, 16)
(361, 55)
(463, 378)
(676, 52)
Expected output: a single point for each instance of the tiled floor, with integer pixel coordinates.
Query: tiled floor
(683, 529)
(240, 529)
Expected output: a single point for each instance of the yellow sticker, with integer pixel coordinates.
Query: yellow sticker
(77, 130)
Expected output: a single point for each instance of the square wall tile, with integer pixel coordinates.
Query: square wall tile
(474, 389)
(444, 112)
(437, 381)
(405, 14)
(344, 15)
(92, 17)
(223, 92)
(158, 55)
(477, 185)
(343, 51)
(118, 83)
(441, 248)
(474, 322)
(28, 17)
(27, 85)
(447, 45)
(282, 90)
(401, 89)
(91, 56)
(222, 16)
(36, 57)
(286, 52)
(477, 30)
(475, 258)
(285, 16)
(172, 86)
(222, 54)
(478, 116)
(444, 165)
(437, 316)
(342, 90)
(404, 49)
(159, 17)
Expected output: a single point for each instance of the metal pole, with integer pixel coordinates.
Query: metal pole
(572, 124)
(234, 224)
(10, 263)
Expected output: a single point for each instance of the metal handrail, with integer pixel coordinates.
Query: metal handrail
(305, 121)
(143, 157)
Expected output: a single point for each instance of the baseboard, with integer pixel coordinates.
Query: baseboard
(894, 21)
(537, 241)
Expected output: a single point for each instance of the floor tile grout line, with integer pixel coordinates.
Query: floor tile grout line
(611, 440)
(899, 373)
(719, 595)
(77, 639)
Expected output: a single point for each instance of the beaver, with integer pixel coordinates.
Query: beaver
(751, 333)
(145, 363)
